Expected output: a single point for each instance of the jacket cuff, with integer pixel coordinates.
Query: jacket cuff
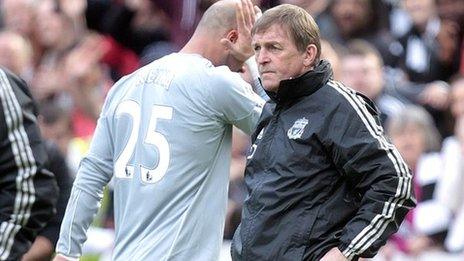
(347, 252)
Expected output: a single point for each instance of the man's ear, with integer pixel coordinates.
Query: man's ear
(310, 55)
(232, 36)
(230, 39)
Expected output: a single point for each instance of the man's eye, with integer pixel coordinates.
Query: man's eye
(256, 48)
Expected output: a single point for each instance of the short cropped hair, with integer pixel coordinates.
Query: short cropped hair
(302, 27)
(362, 48)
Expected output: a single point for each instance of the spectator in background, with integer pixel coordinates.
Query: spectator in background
(86, 81)
(19, 16)
(331, 53)
(450, 192)
(113, 19)
(56, 36)
(74, 10)
(313, 7)
(413, 132)
(56, 126)
(136, 24)
(16, 54)
(431, 47)
(362, 70)
(457, 96)
(28, 191)
(319, 10)
(452, 11)
(361, 19)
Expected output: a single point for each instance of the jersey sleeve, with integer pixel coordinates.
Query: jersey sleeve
(235, 102)
(95, 171)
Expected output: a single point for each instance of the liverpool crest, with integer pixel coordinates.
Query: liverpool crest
(297, 129)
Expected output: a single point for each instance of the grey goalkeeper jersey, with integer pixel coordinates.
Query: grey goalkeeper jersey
(164, 134)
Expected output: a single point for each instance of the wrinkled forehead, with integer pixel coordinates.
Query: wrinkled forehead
(273, 33)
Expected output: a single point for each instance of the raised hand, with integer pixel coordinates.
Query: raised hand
(246, 16)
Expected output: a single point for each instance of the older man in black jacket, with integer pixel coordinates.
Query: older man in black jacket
(323, 181)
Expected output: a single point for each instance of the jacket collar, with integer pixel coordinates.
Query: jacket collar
(304, 85)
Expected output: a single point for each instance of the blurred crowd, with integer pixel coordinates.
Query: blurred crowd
(406, 55)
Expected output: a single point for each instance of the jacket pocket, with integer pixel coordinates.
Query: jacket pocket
(310, 224)
(305, 226)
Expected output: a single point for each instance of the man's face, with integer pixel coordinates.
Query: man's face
(18, 16)
(351, 16)
(277, 56)
(410, 142)
(363, 74)
(420, 10)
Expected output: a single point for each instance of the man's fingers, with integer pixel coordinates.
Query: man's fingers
(239, 16)
(258, 12)
(251, 13)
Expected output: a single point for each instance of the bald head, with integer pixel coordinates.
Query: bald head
(218, 18)
(217, 36)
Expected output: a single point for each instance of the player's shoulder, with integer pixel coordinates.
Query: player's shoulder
(223, 80)
(224, 74)
(129, 85)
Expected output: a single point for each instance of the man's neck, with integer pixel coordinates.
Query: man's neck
(198, 46)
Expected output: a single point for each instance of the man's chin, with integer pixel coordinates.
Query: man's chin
(269, 86)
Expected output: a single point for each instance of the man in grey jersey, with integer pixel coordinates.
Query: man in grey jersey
(164, 134)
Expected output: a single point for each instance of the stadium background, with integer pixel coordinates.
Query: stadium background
(70, 52)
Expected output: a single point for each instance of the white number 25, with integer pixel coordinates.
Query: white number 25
(149, 175)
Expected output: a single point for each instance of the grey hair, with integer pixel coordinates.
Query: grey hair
(419, 117)
(300, 25)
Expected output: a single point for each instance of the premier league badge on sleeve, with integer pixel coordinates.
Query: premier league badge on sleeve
(297, 129)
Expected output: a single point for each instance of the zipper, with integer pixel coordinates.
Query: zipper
(272, 127)
(266, 149)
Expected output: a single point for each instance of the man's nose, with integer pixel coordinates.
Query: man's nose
(262, 57)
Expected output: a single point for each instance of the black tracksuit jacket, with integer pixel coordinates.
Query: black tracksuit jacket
(28, 192)
(320, 174)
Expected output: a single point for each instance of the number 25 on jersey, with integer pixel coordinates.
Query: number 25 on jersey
(122, 168)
